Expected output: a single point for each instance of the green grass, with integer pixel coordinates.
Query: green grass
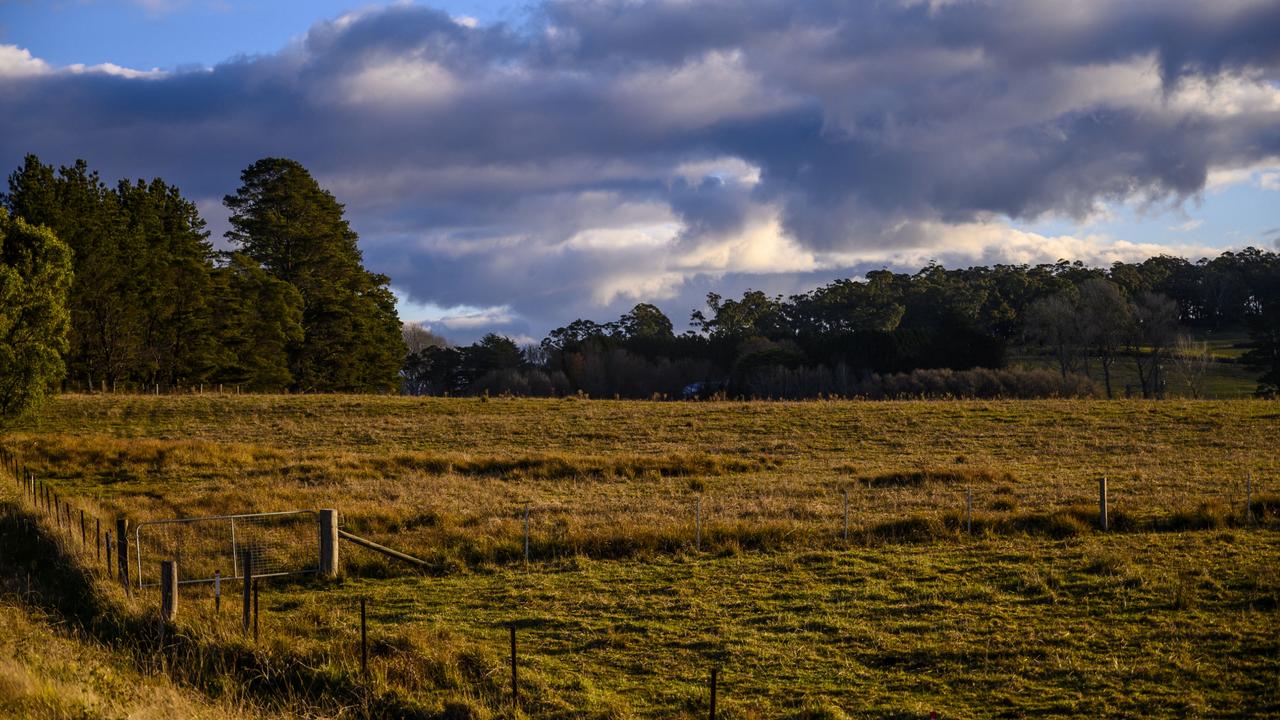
(1172, 614)
(1175, 624)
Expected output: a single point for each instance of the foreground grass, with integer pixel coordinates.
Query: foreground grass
(46, 674)
(1153, 625)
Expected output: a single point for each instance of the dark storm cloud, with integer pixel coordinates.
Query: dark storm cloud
(533, 166)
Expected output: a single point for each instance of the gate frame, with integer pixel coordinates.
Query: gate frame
(235, 556)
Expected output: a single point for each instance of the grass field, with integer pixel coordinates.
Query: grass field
(1174, 614)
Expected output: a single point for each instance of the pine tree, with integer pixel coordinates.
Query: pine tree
(176, 345)
(283, 219)
(35, 277)
(257, 319)
(106, 311)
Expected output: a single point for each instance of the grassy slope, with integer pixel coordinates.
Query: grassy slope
(1169, 624)
(47, 673)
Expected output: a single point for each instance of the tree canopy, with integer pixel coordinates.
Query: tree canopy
(295, 229)
(152, 303)
(35, 277)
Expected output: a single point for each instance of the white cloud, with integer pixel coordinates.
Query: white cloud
(716, 86)
(18, 62)
(401, 81)
(117, 70)
(1187, 226)
(726, 168)
(486, 317)
(996, 241)
(1269, 180)
(1221, 178)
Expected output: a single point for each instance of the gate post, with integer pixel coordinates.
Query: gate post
(329, 543)
(122, 551)
(169, 590)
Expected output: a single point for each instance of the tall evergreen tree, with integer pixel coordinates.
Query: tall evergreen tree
(257, 319)
(283, 219)
(35, 277)
(108, 263)
(176, 344)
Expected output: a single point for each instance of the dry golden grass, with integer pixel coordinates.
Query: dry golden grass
(48, 674)
(1039, 615)
(449, 478)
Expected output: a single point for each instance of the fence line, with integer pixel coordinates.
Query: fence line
(43, 498)
(277, 544)
(280, 550)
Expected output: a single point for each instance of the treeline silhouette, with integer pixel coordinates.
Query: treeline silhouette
(118, 287)
(151, 304)
(933, 333)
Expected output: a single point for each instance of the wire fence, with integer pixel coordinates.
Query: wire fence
(207, 548)
(286, 543)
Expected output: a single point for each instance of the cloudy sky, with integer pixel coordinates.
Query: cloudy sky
(515, 165)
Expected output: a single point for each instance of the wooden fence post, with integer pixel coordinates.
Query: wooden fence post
(329, 543)
(217, 592)
(697, 524)
(364, 640)
(122, 551)
(246, 574)
(715, 671)
(515, 685)
(1248, 497)
(1102, 504)
(845, 493)
(168, 590)
(968, 511)
(255, 609)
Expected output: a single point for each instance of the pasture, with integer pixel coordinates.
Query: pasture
(623, 609)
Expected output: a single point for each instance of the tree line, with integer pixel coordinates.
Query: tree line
(118, 287)
(874, 336)
(149, 302)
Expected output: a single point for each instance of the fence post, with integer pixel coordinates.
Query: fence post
(246, 562)
(122, 551)
(845, 493)
(1102, 503)
(515, 686)
(714, 672)
(364, 640)
(697, 524)
(329, 543)
(968, 511)
(217, 592)
(169, 590)
(1248, 497)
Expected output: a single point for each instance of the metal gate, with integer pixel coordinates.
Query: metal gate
(278, 543)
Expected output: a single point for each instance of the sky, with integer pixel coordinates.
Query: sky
(512, 166)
